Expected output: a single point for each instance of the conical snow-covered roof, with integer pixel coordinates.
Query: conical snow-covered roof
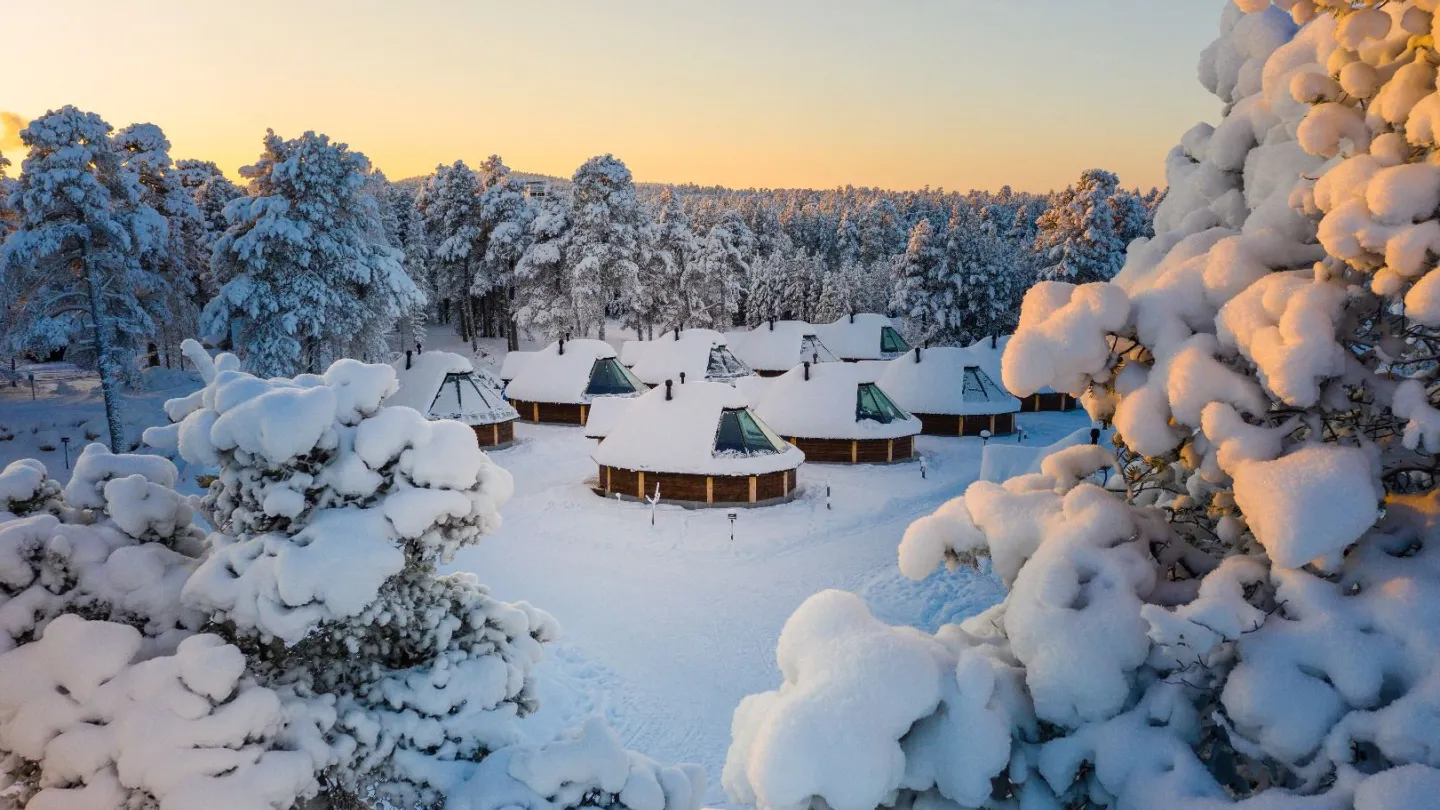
(704, 428)
(946, 380)
(863, 336)
(572, 372)
(834, 401)
(780, 346)
(699, 354)
(442, 385)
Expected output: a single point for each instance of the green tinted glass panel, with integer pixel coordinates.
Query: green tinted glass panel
(871, 403)
(608, 377)
(739, 433)
(891, 342)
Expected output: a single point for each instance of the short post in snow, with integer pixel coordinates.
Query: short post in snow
(652, 500)
(1094, 435)
(985, 437)
(65, 442)
(827, 493)
(32, 385)
(732, 516)
(924, 467)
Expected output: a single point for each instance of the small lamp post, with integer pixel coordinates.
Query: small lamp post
(65, 443)
(985, 437)
(32, 385)
(924, 467)
(732, 516)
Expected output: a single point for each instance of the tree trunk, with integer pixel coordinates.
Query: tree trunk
(105, 363)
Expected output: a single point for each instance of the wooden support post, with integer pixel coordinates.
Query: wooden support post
(785, 481)
(890, 451)
(709, 489)
(854, 451)
(607, 480)
(960, 431)
(752, 489)
(582, 414)
(992, 424)
(641, 487)
(495, 432)
(535, 409)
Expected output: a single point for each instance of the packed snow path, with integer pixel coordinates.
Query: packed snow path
(665, 629)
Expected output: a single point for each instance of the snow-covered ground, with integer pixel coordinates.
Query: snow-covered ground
(667, 627)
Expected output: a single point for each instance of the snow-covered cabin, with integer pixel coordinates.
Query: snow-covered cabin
(863, 336)
(950, 392)
(700, 445)
(442, 385)
(775, 347)
(558, 383)
(989, 351)
(836, 412)
(698, 354)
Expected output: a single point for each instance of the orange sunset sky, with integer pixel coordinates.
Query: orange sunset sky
(900, 94)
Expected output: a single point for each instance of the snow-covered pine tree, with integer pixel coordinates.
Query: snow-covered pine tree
(544, 300)
(180, 260)
(845, 246)
(837, 293)
(977, 262)
(455, 236)
(324, 572)
(303, 279)
(1080, 237)
(803, 282)
(110, 698)
(1236, 608)
(9, 218)
(212, 191)
(505, 217)
(73, 266)
(768, 279)
(711, 285)
(603, 257)
(881, 233)
(918, 272)
(670, 247)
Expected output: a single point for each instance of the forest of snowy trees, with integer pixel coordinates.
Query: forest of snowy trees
(114, 253)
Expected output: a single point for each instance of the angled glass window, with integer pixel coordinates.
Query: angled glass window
(725, 366)
(609, 378)
(816, 352)
(741, 434)
(871, 403)
(464, 393)
(891, 343)
(978, 387)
